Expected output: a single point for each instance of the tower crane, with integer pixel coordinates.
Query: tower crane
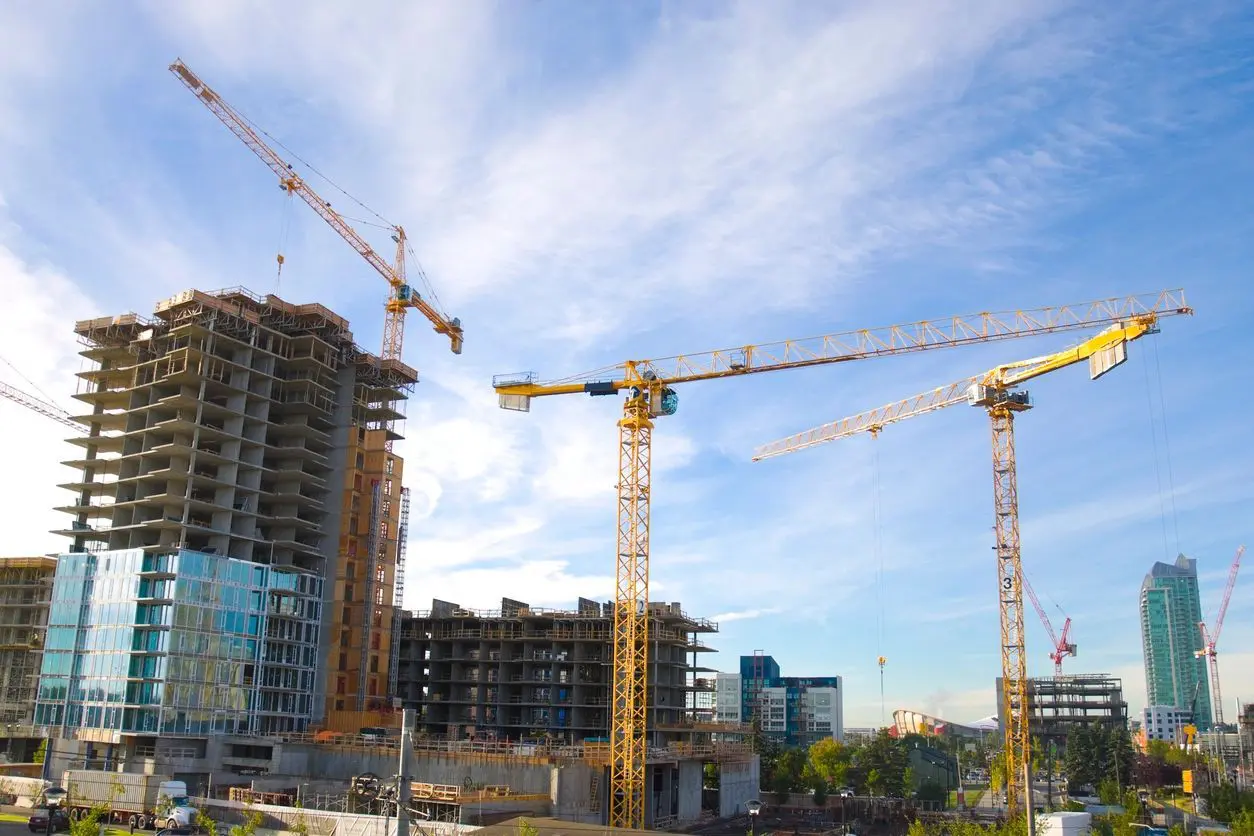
(1211, 638)
(649, 385)
(1060, 647)
(995, 391)
(401, 297)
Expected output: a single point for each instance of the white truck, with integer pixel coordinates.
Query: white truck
(144, 801)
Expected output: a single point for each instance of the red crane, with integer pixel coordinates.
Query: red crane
(1211, 638)
(1061, 647)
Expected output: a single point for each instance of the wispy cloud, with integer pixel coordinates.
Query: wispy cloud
(696, 178)
(742, 615)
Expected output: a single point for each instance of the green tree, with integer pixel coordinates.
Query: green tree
(875, 782)
(301, 826)
(997, 773)
(248, 827)
(1242, 824)
(89, 823)
(204, 822)
(1224, 802)
(887, 758)
(526, 828)
(828, 762)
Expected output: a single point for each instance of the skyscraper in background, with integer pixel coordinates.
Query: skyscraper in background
(1171, 609)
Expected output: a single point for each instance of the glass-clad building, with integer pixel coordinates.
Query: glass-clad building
(1171, 609)
(178, 643)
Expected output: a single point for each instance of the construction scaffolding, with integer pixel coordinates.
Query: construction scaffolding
(25, 592)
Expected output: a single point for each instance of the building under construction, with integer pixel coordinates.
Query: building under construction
(1056, 705)
(227, 432)
(25, 590)
(524, 672)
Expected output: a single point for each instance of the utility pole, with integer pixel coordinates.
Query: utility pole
(402, 779)
(1027, 793)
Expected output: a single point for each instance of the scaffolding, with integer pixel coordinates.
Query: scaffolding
(25, 592)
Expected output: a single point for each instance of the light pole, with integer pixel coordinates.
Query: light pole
(755, 809)
(53, 798)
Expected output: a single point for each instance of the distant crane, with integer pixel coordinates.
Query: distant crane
(1211, 638)
(401, 296)
(1061, 647)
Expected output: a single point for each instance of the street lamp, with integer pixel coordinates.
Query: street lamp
(54, 797)
(755, 809)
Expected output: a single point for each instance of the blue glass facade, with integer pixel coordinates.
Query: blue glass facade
(788, 721)
(1171, 608)
(181, 643)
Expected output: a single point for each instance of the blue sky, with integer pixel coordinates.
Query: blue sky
(588, 184)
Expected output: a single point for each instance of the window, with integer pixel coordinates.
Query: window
(389, 466)
(387, 487)
(343, 661)
(341, 685)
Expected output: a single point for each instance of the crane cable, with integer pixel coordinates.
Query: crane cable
(1158, 464)
(877, 515)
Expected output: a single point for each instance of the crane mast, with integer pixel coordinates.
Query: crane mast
(650, 394)
(995, 391)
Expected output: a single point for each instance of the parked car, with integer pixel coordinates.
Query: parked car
(38, 822)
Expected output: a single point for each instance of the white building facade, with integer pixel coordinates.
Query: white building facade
(1164, 722)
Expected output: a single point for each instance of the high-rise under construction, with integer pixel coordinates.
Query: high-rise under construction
(235, 526)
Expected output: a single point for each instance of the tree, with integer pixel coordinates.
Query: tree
(205, 822)
(1224, 802)
(887, 758)
(526, 828)
(89, 823)
(828, 762)
(248, 827)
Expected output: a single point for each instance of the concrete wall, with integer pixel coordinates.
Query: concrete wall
(298, 760)
(738, 782)
(691, 777)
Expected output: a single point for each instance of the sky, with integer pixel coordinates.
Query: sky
(590, 183)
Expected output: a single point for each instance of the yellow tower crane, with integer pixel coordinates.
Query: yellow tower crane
(402, 297)
(649, 384)
(994, 391)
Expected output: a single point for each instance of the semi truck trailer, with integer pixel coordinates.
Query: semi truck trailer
(142, 801)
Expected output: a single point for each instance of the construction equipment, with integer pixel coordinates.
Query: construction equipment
(402, 297)
(651, 394)
(1060, 647)
(1211, 638)
(48, 410)
(993, 391)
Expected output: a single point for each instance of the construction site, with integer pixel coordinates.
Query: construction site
(230, 609)
(527, 673)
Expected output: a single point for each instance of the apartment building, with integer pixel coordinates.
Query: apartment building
(797, 711)
(236, 490)
(525, 672)
(1165, 722)
(25, 593)
(1171, 609)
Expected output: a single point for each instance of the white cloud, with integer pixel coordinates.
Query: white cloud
(742, 615)
(38, 340)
